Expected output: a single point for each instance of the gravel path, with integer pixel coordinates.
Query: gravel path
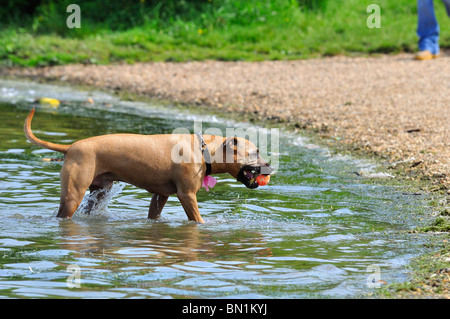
(393, 106)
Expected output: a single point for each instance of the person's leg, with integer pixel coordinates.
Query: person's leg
(427, 27)
(447, 6)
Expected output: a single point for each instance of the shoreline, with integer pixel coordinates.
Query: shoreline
(378, 106)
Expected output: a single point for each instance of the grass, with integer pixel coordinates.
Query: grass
(441, 223)
(429, 274)
(221, 30)
(430, 277)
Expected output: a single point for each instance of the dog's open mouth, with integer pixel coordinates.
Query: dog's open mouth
(247, 176)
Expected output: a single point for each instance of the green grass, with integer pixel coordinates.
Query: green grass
(222, 30)
(429, 276)
(441, 224)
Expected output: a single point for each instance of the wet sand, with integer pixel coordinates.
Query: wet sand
(391, 106)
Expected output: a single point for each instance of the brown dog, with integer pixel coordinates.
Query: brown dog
(161, 164)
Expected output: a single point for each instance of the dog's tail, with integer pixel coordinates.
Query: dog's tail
(33, 139)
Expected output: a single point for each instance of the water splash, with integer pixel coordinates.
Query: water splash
(95, 204)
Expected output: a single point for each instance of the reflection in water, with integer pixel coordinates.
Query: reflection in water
(313, 231)
(157, 242)
(152, 255)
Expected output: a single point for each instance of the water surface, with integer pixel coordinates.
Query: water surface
(317, 230)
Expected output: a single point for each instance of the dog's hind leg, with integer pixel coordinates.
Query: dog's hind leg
(75, 179)
(97, 194)
(156, 206)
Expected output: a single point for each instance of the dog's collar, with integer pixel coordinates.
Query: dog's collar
(205, 153)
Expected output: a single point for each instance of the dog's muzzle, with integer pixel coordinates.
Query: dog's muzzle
(247, 174)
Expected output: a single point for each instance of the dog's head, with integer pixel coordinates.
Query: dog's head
(243, 161)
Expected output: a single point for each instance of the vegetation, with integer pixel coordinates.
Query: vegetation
(430, 277)
(35, 33)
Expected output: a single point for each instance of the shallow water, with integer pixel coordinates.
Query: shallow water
(317, 230)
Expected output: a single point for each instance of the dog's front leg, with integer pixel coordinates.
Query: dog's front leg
(189, 203)
(156, 206)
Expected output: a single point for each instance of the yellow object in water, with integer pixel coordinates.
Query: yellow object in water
(47, 101)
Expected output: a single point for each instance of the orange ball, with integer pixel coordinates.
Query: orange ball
(263, 180)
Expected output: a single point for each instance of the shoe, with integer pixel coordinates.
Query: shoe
(425, 55)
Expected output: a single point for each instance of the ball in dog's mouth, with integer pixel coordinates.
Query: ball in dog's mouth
(263, 179)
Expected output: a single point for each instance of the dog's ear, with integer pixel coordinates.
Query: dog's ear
(230, 147)
(231, 143)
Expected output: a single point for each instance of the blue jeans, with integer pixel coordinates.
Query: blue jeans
(428, 27)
